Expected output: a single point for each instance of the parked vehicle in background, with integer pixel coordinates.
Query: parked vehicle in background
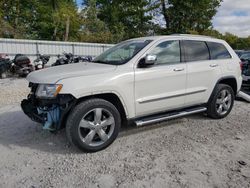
(245, 67)
(144, 80)
(41, 61)
(68, 58)
(78, 59)
(21, 65)
(241, 52)
(245, 56)
(246, 73)
(4, 65)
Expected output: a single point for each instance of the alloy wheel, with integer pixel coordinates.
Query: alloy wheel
(223, 102)
(96, 127)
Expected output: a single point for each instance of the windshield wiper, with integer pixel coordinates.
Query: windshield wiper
(99, 61)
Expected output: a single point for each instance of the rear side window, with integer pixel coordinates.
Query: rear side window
(195, 50)
(218, 51)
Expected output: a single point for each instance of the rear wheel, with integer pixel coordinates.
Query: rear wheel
(93, 125)
(221, 102)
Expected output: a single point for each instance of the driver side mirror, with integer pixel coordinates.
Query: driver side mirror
(148, 60)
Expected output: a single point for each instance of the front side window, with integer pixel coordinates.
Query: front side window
(121, 53)
(195, 50)
(167, 52)
(218, 51)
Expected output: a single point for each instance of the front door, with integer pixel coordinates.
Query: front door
(161, 87)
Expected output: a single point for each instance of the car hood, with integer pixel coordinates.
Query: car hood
(54, 74)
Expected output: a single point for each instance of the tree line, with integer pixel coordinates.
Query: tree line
(109, 21)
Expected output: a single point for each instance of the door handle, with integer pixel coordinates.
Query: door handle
(178, 69)
(214, 65)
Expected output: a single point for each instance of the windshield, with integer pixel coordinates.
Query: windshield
(121, 53)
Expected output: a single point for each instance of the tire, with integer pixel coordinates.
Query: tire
(87, 121)
(217, 106)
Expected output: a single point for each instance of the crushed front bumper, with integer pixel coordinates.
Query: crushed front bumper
(31, 111)
(49, 112)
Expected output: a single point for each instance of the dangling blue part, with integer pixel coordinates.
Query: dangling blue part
(52, 119)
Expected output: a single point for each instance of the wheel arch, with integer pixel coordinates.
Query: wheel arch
(108, 96)
(229, 80)
(111, 97)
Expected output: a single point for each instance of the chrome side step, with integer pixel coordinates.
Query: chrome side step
(156, 119)
(244, 96)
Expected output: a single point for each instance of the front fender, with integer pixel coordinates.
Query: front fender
(120, 84)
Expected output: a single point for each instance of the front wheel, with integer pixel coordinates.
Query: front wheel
(93, 125)
(221, 102)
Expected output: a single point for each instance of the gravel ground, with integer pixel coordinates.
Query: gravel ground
(188, 152)
(12, 91)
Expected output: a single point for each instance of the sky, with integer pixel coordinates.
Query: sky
(79, 2)
(233, 16)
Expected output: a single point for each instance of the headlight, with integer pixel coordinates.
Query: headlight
(48, 90)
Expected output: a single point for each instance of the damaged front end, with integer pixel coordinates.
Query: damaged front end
(48, 111)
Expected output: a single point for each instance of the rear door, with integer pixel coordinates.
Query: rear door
(202, 72)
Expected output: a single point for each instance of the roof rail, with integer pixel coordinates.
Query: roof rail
(191, 35)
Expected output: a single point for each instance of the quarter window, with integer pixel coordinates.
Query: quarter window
(167, 52)
(195, 50)
(218, 51)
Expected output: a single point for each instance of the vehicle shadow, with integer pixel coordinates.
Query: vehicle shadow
(18, 130)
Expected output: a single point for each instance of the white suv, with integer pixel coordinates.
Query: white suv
(146, 80)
